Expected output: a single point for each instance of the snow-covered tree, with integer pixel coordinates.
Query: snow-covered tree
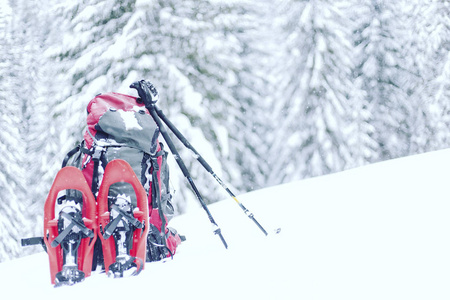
(36, 101)
(429, 49)
(320, 113)
(245, 134)
(12, 175)
(441, 106)
(386, 73)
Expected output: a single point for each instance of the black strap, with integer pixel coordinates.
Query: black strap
(159, 153)
(78, 221)
(34, 241)
(154, 143)
(73, 222)
(156, 195)
(111, 226)
(94, 186)
(97, 156)
(62, 235)
(70, 154)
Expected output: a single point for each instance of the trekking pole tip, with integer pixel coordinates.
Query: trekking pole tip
(218, 231)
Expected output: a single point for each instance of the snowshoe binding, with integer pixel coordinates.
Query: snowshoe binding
(121, 226)
(71, 230)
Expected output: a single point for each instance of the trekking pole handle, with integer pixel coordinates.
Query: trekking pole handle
(146, 91)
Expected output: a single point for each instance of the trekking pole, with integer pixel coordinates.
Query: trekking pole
(149, 96)
(208, 168)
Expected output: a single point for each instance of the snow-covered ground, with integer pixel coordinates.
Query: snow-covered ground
(376, 232)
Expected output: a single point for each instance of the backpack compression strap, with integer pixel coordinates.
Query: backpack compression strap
(156, 194)
(78, 148)
(97, 156)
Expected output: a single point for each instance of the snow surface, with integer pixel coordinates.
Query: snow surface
(375, 232)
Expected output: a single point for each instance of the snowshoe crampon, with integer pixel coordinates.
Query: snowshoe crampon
(123, 224)
(70, 237)
(69, 276)
(125, 266)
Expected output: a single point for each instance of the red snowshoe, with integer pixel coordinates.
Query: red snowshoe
(70, 237)
(123, 224)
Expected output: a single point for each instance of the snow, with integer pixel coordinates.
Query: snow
(375, 232)
(130, 120)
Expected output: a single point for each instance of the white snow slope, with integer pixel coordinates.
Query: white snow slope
(376, 232)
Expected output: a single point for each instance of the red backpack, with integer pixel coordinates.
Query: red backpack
(110, 202)
(120, 128)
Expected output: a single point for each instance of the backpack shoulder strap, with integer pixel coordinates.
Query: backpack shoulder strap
(71, 153)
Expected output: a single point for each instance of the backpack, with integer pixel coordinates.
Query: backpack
(119, 127)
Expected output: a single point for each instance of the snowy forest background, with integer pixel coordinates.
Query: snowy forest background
(267, 91)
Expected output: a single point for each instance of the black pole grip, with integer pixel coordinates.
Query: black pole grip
(146, 91)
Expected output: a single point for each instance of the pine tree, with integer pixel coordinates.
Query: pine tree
(319, 125)
(441, 106)
(386, 73)
(244, 137)
(430, 50)
(441, 85)
(12, 190)
(418, 52)
(36, 109)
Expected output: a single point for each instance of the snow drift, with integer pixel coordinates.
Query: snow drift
(375, 232)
